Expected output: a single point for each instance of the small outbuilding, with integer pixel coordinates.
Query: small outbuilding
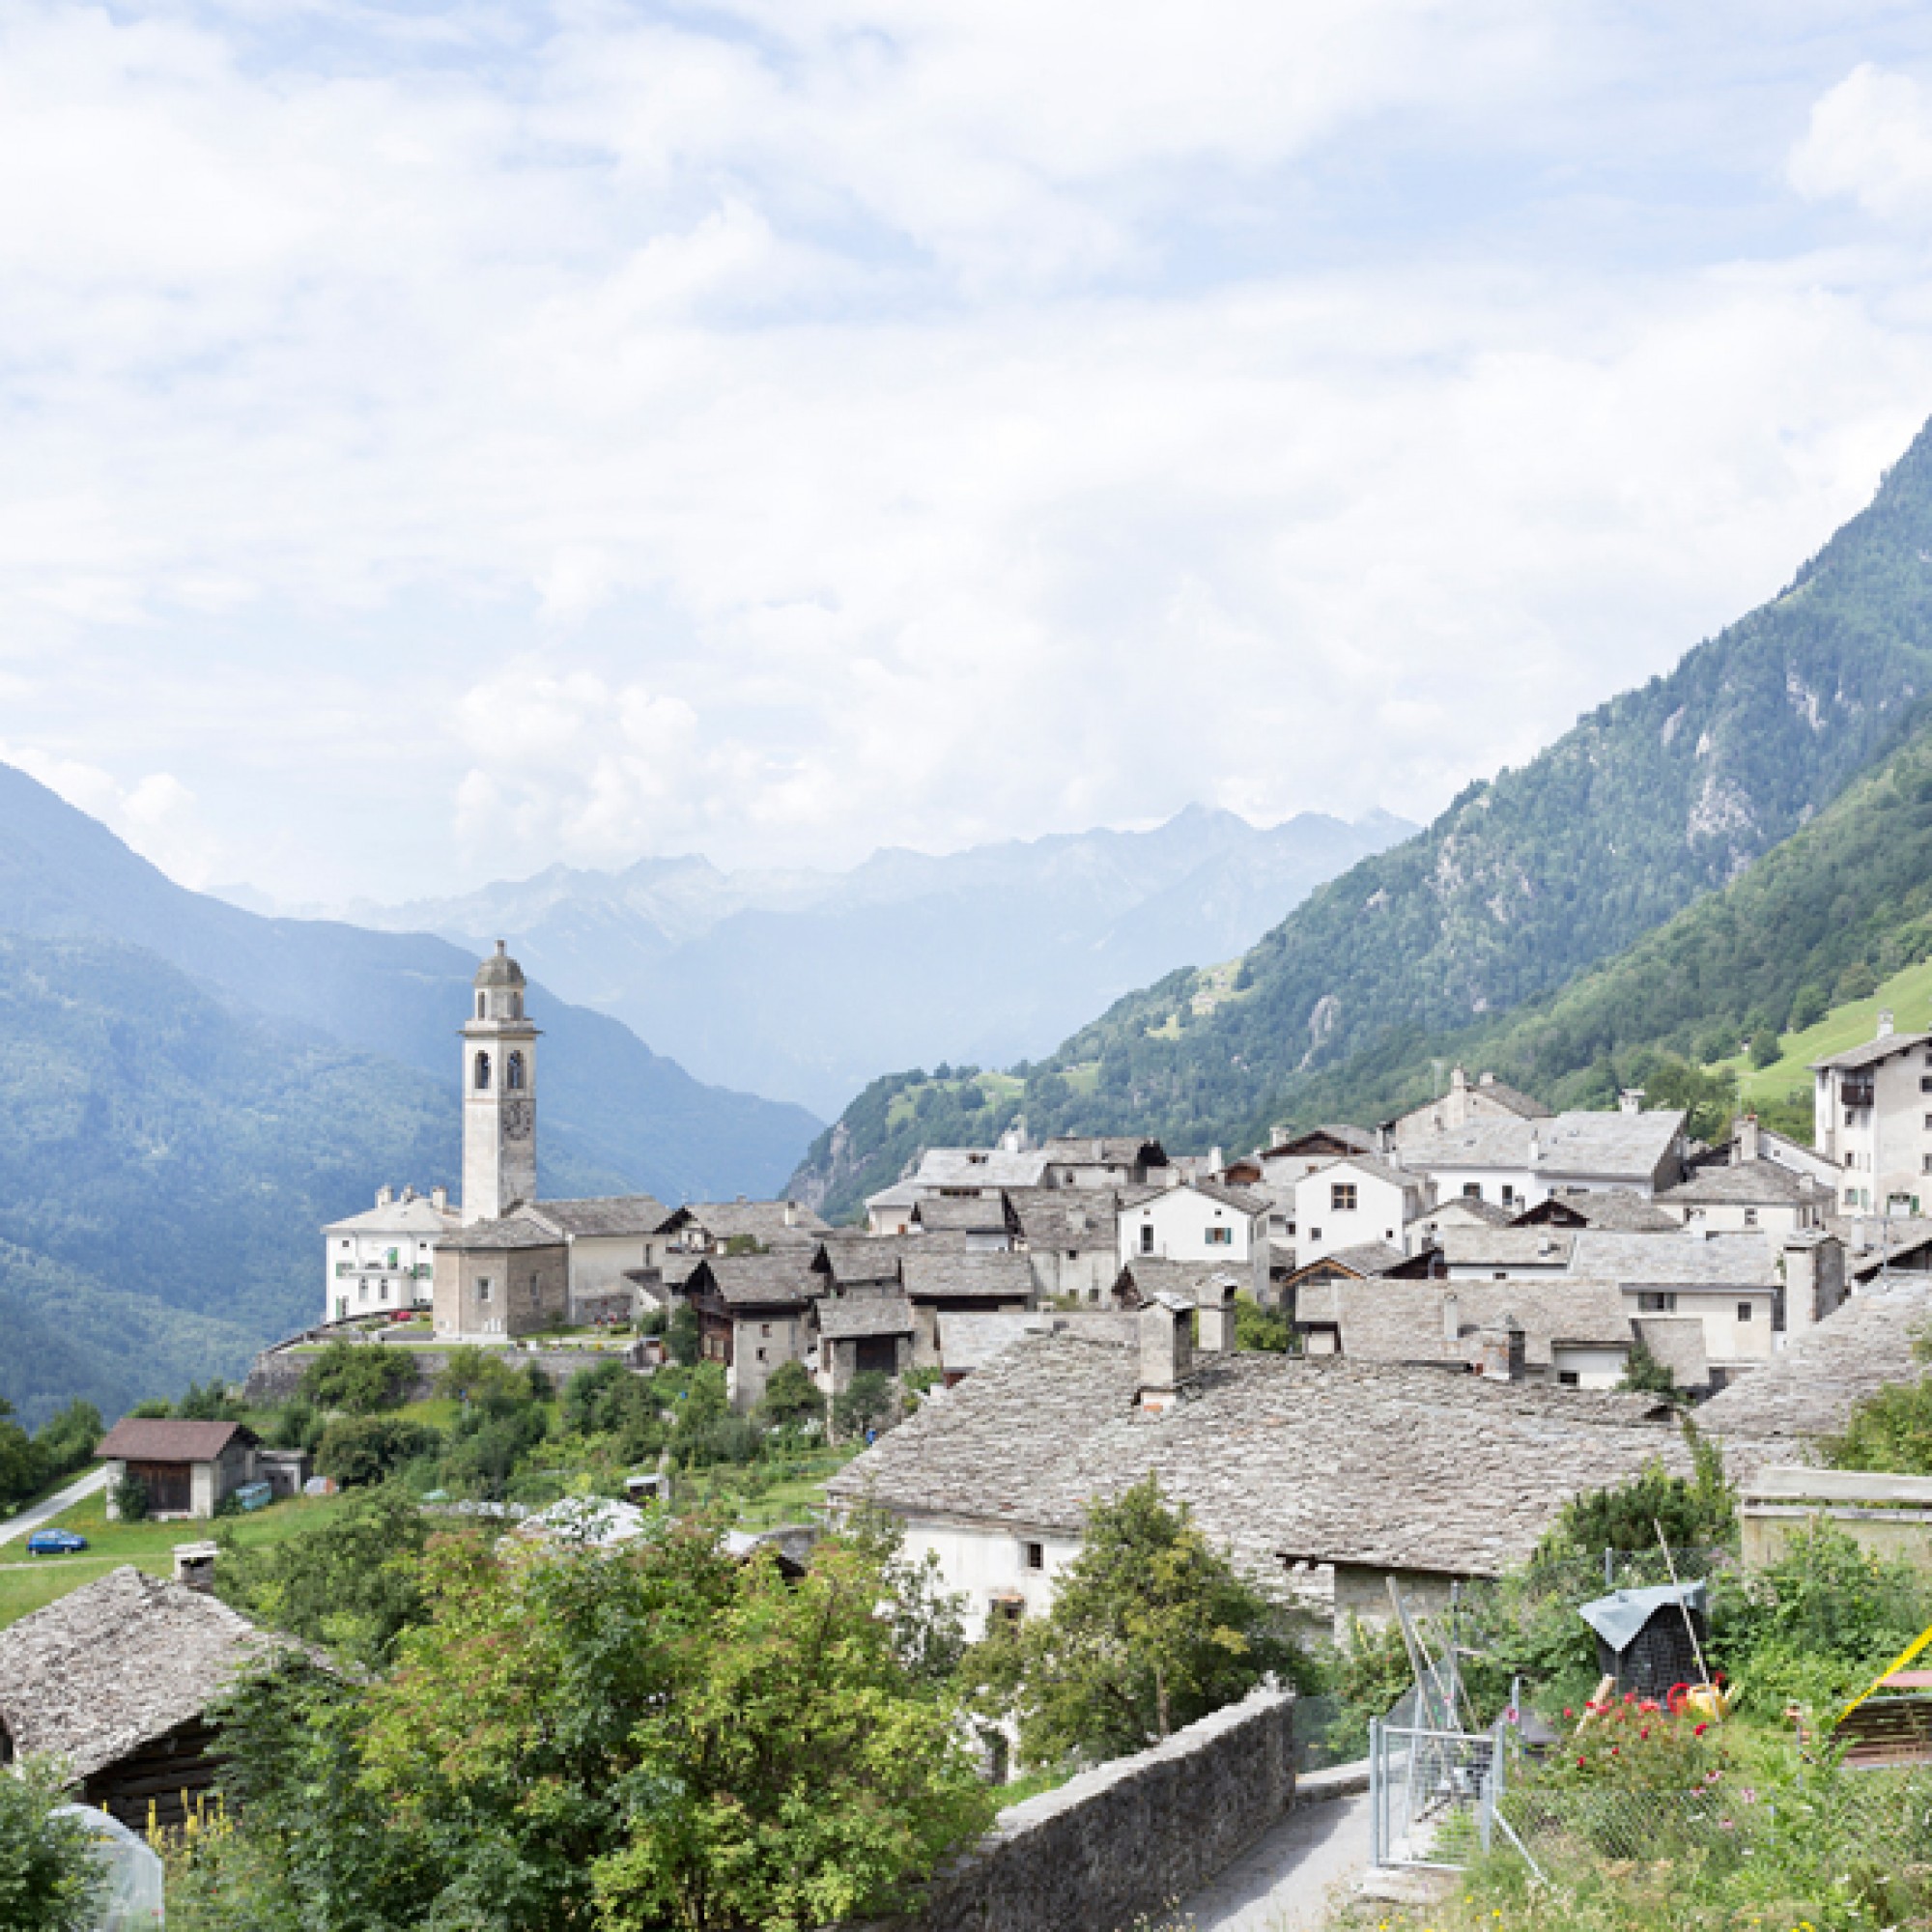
(1645, 1637)
(116, 1680)
(186, 1468)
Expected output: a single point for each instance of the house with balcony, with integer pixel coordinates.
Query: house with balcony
(1872, 1116)
(383, 1260)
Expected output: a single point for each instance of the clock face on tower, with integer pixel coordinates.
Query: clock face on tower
(517, 1119)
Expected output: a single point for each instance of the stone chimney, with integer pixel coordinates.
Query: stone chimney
(1214, 1316)
(438, 1199)
(1885, 1023)
(1458, 1080)
(1167, 1351)
(194, 1565)
(1452, 1319)
(1748, 1145)
(1486, 1080)
(1630, 1101)
(384, 1196)
(1545, 1247)
(1502, 1350)
(792, 1213)
(1215, 1161)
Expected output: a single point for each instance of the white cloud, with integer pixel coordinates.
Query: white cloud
(1870, 138)
(157, 816)
(527, 437)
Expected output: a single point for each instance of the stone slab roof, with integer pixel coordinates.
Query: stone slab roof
(1112, 1151)
(1506, 1247)
(144, 1438)
(1071, 1219)
(417, 1215)
(514, 1231)
(967, 1277)
(944, 1213)
(1677, 1342)
(1279, 1456)
(1365, 1258)
(776, 1224)
(1610, 1207)
(1811, 1387)
(1407, 1320)
(1147, 1276)
(1466, 1210)
(856, 1317)
(1873, 1051)
(117, 1664)
(1599, 1145)
(1749, 1183)
(604, 1214)
(968, 1342)
(1684, 1258)
(979, 1167)
(757, 1281)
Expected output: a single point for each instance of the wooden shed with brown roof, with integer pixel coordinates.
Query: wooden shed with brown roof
(186, 1468)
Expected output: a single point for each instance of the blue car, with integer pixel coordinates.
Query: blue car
(54, 1543)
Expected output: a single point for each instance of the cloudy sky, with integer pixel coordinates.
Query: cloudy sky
(439, 440)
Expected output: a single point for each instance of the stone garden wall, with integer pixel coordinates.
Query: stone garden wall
(1131, 1837)
(273, 1374)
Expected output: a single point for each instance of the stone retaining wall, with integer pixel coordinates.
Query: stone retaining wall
(273, 1375)
(1131, 1837)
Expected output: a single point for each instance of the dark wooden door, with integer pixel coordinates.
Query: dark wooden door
(168, 1484)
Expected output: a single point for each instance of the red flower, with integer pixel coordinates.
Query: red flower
(1567, 1711)
(1700, 1730)
(1581, 1762)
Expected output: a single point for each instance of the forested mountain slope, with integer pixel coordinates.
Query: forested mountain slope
(1656, 798)
(397, 995)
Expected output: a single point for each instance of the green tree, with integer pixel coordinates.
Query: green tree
(19, 1465)
(214, 1403)
(791, 1397)
(1890, 1430)
(1763, 1048)
(1150, 1627)
(67, 1439)
(1698, 1511)
(359, 1450)
(352, 1580)
(866, 1402)
(1808, 1005)
(1644, 1374)
(50, 1879)
(130, 1500)
(1266, 1329)
(683, 1336)
(358, 1377)
(471, 1373)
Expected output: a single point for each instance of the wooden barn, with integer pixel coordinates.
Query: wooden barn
(116, 1680)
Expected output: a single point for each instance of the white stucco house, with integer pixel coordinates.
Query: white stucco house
(1352, 1200)
(384, 1258)
(1197, 1221)
(1517, 1163)
(1872, 1115)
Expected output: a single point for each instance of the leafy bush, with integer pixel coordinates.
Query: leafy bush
(1889, 1430)
(866, 1402)
(683, 1336)
(1150, 1627)
(471, 1372)
(129, 1497)
(50, 1879)
(1693, 1511)
(791, 1397)
(358, 1377)
(1261, 1329)
(1370, 1672)
(359, 1450)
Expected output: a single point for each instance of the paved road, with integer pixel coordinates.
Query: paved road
(1282, 1885)
(29, 1521)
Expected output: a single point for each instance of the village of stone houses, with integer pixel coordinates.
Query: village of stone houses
(1485, 1511)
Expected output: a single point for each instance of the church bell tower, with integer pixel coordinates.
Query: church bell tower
(500, 1095)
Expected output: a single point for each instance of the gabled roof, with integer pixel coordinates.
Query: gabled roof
(1871, 1052)
(967, 1277)
(417, 1215)
(145, 1439)
(852, 1318)
(783, 1280)
(968, 1341)
(979, 1167)
(1239, 1199)
(117, 1664)
(1364, 1259)
(1372, 1165)
(1340, 1139)
(1595, 1146)
(776, 1224)
(1506, 1247)
(1685, 1258)
(1611, 1208)
(1390, 1321)
(1067, 1218)
(603, 1214)
(518, 1229)
(984, 1214)
(1752, 1184)
(1147, 1276)
(1277, 1456)
(1108, 1151)
(1466, 1211)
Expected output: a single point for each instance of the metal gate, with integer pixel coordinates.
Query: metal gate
(1432, 1791)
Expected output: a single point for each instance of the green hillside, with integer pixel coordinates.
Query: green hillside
(167, 1162)
(1657, 799)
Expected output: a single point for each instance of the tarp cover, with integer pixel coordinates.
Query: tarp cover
(132, 1898)
(1618, 1617)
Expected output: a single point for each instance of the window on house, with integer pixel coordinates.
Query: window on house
(482, 1073)
(1342, 1197)
(1848, 1116)
(1500, 1274)
(1925, 1083)
(1036, 1555)
(1146, 1237)
(765, 1329)
(1569, 1379)
(1218, 1238)
(1743, 1311)
(482, 1288)
(1509, 1195)
(1656, 1301)
(1011, 1609)
(761, 1354)
(1472, 1190)
(1315, 1233)
(1750, 1217)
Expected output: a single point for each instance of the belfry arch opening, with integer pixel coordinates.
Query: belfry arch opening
(513, 1073)
(482, 1073)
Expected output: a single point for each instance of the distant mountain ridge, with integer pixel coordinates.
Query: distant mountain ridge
(804, 983)
(1652, 801)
